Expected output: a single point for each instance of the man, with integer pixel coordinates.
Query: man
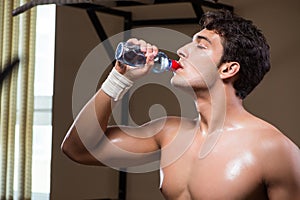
(230, 154)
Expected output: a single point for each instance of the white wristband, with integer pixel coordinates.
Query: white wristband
(116, 85)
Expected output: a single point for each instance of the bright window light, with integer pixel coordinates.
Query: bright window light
(43, 92)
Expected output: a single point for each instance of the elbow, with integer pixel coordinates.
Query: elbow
(68, 150)
(63, 146)
(70, 147)
(77, 153)
(65, 149)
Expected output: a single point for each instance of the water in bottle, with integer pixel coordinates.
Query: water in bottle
(131, 54)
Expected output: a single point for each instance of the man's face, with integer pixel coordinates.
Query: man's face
(199, 59)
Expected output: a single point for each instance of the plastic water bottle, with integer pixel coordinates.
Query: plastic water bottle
(131, 54)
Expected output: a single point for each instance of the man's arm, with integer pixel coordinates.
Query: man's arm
(90, 140)
(282, 168)
(88, 129)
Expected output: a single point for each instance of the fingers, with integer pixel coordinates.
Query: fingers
(148, 49)
(134, 73)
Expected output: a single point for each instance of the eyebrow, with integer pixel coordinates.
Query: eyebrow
(200, 37)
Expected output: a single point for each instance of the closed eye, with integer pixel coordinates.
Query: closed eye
(201, 47)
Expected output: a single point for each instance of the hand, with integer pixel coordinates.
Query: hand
(134, 73)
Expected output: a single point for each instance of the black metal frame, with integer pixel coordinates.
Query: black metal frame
(128, 24)
(8, 69)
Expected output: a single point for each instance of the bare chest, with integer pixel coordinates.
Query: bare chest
(226, 173)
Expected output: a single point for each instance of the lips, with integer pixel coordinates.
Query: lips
(175, 65)
(181, 66)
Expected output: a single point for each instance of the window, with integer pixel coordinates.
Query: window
(43, 92)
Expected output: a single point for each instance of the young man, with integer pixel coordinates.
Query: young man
(225, 154)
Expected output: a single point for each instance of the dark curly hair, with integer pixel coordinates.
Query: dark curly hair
(244, 43)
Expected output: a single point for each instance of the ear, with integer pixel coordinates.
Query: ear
(228, 70)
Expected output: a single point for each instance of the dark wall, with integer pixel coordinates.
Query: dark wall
(275, 100)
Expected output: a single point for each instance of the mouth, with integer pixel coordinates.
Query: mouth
(176, 65)
(180, 65)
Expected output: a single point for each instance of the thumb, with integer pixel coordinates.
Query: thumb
(120, 67)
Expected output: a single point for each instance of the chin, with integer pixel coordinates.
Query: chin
(182, 84)
(178, 81)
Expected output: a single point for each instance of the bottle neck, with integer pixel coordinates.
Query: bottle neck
(173, 65)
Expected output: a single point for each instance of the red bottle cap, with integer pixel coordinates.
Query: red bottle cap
(175, 65)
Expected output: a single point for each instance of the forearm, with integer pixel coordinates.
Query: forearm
(88, 129)
(91, 123)
(84, 138)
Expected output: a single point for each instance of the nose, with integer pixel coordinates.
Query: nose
(182, 52)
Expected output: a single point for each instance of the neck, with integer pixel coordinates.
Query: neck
(219, 109)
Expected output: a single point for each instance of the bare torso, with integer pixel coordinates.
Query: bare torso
(232, 170)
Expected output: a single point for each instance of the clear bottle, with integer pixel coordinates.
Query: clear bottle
(131, 54)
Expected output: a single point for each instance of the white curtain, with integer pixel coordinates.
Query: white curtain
(12, 46)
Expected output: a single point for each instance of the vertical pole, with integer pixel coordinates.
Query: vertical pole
(100, 32)
(125, 112)
(125, 102)
(198, 10)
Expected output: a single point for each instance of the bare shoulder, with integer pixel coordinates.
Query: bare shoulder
(280, 163)
(166, 128)
(273, 142)
(271, 146)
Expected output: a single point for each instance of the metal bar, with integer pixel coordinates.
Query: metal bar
(8, 68)
(202, 2)
(129, 3)
(198, 10)
(101, 32)
(97, 24)
(122, 185)
(125, 113)
(128, 23)
(124, 110)
(217, 5)
(102, 9)
(165, 21)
